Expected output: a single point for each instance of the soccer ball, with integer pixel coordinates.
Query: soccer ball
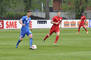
(34, 47)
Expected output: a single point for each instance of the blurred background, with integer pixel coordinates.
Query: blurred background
(45, 9)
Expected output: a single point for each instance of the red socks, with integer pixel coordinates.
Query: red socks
(78, 30)
(46, 37)
(57, 37)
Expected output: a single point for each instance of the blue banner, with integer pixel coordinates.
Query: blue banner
(89, 23)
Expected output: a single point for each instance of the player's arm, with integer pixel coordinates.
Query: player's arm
(30, 24)
(21, 22)
(85, 22)
(54, 22)
(60, 21)
(53, 19)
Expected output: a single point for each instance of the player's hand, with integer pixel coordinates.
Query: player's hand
(57, 23)
(85, 24)
(31, 29)
(23, 24)
(60, 20)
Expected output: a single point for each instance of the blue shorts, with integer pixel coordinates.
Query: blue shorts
(23, 33)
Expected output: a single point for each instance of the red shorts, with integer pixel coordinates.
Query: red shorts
(81, 25)
(54, 29)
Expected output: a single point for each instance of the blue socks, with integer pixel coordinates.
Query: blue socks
(18, 43)
(30, 42)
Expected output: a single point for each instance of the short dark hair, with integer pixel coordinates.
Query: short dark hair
(29, 11)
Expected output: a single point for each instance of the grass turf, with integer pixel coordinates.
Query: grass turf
(71, 46)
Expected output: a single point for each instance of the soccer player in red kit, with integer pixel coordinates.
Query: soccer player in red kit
(82, 24)
(55, 27)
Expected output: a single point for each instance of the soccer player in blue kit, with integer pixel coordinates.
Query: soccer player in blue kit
(25, 22)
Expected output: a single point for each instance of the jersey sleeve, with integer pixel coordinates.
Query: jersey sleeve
(53, 19)
(30, 24)
(61, 18)
(30, 20)
(22, 18)
(83, 18)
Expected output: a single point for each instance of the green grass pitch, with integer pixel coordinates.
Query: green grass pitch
(71, 46)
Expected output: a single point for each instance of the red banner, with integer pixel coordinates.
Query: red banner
(11, 24)
(1, 24)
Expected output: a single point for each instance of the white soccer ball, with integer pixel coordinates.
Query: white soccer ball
(34, 47)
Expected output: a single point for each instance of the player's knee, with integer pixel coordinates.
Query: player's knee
(49, 34)
(30, 36)
(58, 33)
(84, 27)
(21, 38)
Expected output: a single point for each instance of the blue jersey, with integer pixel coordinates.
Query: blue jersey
(25, 20)
(25, 30)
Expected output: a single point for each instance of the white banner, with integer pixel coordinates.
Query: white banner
(41, 24)
(14, 24)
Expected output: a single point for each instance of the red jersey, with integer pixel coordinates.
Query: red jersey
(55, 27)
(57, 19)
(83, 18)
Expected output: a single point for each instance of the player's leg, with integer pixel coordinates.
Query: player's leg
(30, 38)
(57, 37)
(20, 39)
(19, 42)
(49, 34)
(85, 29)
(79, 28)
